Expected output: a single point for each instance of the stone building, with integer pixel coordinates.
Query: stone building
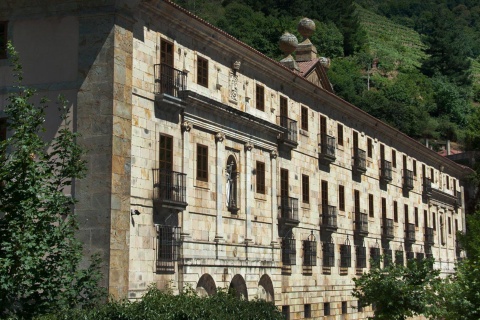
(214, 166)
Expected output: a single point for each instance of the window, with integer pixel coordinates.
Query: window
(356, 202)
(416, 217)
(260, 98)
(370, 205)
(304, 118)
(202, 162)
(307, 311)
(394, 158)
(286, 312)
(448, 182)
(384, 208)
(345, 256)
(341, 198)
(405, 212)
(375, 257)
(434, 222)
(414, 168)
(305, 188)
(310, 252)
(395, 211)
(166, 52)
(340, 134)
(369, 148)
(3, 39)
(361, 255)
(399, 257)
(260, 177)
(202, 71)
(168, 242)
(456, 225)
(449, 225)
(326, 308)
(432, 175)
(344, 307)
(328, 254)
(289, 251)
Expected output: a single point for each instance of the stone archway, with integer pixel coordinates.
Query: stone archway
(239, 287)
(206, 285)
(265, 289)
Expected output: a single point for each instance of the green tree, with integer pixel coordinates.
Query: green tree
(39, 254)
(398, 292)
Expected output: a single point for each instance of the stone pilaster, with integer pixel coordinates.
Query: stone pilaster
(188, 170)
(219, 184)
(274, 208)
(248, 191)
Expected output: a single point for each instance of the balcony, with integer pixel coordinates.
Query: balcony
(427, 187)
(326, 148)
(329, 218)
(410, 233)
(445, 197)
(169, 189)
(289, 211)
(385, 171)
(387, 229)
(407, 179)
(289, 136)
(169, 82)
(361, 224)
(429, 238)
(359, 160)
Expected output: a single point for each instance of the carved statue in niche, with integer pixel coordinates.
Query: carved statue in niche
(233, 87)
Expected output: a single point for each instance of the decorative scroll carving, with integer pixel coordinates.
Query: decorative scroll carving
(233, 87)
(186, 126)
(274, 154)
(220, 136)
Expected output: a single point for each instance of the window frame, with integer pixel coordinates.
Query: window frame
(341, 197)
(340, 134)
(369, 147)
(305, 189)
(371, 206)
(202, 163)
(395, 211)
(260, 177)
(202, 71)
(304, 118)
(394, 158)
(259, 97)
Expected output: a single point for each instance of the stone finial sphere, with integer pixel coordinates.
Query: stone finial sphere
(306, 27)
(288, 43)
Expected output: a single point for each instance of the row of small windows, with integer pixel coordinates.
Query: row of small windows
(307, 310)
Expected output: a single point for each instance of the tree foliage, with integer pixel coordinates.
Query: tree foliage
(39, 254)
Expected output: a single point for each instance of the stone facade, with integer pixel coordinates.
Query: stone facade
(195, 178)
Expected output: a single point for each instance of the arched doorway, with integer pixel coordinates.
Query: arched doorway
(206, 285)
(265, 289)
(239, 287)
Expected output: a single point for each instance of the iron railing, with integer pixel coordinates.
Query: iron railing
(327, 147)
(169, 187)
(407, 179)
(168, 244)
(291, 126)
(387, 228)
(386, 170)
(429, 238)
(289, 209)
(375, 257)
(359, 160)
(289, 251)
(328, 254)
(427, 187)
(361, 223)
(345, 256)
(329, 217)
(309, 252)
(399, 257)
(361, 255)
(410, 232)
(169, 80)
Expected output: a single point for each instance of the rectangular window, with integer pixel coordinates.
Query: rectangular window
(166, 53)
(168, 242)
(341, 198)
(395, 211)
(304, 118)
(394, 158)
(456, 225)
(405, 212)
(369, 148)
(202, 162)
(384, 208)
(286, 312)
(307, 311)
(305, 188)
(202, 71)
(260, 98)
(434, 222)
(3, 39)
(432, 175)
(370, 205)
(414, 168)
(260, 177)
(166, 153)
(324, 193)
(449, 225)
(356, 203)
(326, 309)
(448, 182)
(340, 134)
(344, 307)
(416, 217)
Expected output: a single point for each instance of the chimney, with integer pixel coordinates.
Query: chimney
(448, 148)
(306, 51)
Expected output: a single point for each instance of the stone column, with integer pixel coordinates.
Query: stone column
(248, 191)
(274, 208)
(219, 185)
(186, 224)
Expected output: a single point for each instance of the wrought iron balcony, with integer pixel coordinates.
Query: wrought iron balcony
(289, 251)
(407, 179)
(429, 238)
(169, 80)
(169, 189)
(387, 229)
(427, 187)
(445, 197)
(329, 218)
(410, 233)
(289, 211)
(359, 160)
(326, 148)
(361, 223)
(289, 137)
(386, 171)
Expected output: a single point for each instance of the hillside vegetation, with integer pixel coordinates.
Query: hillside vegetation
(414, 65)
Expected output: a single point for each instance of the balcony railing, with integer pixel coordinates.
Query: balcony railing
(289, 252)
(290, 136)
(169, 80)
(427, 187)
(361, 223)
(410, 232)
(442, 196)
(407, 179)
(327, 148)
(387, 229)
(169, 188)
(359, 160)
(429, 238)
(386, 171)
(289, 211)
(329, 218)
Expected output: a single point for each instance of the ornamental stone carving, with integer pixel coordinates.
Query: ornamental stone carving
(186, 126)
(233, 87)
(248, 146)
(273, 154)
(220, 136)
